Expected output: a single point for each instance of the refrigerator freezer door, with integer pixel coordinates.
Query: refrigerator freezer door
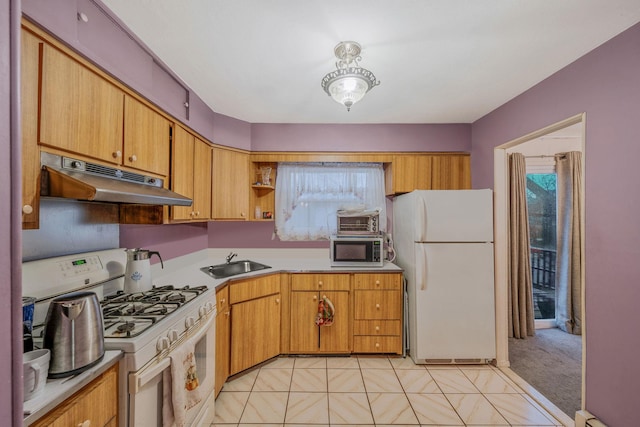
(453, 303)
(453, 215)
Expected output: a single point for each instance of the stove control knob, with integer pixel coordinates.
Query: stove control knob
(162, 344)
(172, 335)
(202, 311)
(189, 322)
(209, 306)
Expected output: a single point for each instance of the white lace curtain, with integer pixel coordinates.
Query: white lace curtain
(308, 195)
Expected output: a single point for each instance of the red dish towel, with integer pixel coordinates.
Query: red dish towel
(181, 387)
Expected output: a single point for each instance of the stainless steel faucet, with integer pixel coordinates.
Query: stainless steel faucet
(230, 257)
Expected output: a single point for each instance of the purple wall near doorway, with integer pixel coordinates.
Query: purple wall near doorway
(606, 85)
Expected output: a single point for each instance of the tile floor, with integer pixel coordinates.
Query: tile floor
(367, 391)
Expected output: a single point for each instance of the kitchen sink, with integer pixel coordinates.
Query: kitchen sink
(221, 271)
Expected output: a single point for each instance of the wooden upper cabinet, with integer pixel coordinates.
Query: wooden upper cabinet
(408, 173)
(451, 172)
(30, 53)
(230, 185)
(182, 179)
(80, 111)
(191, 175)
(83, 113)
(435, 171)
(202, 180)
(146, 138)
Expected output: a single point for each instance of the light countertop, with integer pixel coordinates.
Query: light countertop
(185, 270)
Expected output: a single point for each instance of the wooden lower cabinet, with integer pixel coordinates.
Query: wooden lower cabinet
(255, 321)
(306, 337)
(377, 313)
(255, 332)
(96, 405)
(306, 292)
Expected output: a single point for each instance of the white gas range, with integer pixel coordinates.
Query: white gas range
(148, 327)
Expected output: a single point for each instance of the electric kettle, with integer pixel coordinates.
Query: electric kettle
(137, 274)
(74, 332)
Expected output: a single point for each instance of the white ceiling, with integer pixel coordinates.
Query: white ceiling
(438, 61)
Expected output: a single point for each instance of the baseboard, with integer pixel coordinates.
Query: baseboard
(586, 419)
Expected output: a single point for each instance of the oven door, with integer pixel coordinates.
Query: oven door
(146, 385)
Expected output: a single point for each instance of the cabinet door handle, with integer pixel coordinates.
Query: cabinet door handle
(27, 209)
(315, 298)
(223, 300)
(133, 158)
(117, 154)
(377, 328)
(320, 283)
(277, 300)
(228, 313)
(377, 306)
(377, 282)
(377, 345)
(85, 423)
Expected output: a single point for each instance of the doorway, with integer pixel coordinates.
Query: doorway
(539, 149)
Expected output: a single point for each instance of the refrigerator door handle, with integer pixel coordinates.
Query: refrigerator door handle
(422, 260)
(422, 220)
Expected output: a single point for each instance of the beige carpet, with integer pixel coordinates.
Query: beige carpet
(551, 362)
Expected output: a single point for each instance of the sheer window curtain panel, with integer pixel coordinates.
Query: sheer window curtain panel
(569, 258)
(521, 319)
(308, 195)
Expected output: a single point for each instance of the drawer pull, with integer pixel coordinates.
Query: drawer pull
(377, 328)
(377, 345)
(377, 306)
(320, 283)
(315, 298)
(377, 282)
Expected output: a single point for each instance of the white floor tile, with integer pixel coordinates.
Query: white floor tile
(307, 408)
(361, 391)
(349, 408)
(265, 408)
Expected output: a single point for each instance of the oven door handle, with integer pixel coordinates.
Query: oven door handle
(137, 380)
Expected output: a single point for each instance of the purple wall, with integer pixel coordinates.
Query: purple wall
(170, 240)
(231, 132)
(606, 85)
(372, 137)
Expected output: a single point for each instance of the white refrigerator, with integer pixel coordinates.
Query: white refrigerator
(444, 242)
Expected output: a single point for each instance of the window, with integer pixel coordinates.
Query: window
(541, 204)
(308, 195)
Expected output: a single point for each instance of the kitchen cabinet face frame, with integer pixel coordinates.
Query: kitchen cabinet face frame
(30, 76)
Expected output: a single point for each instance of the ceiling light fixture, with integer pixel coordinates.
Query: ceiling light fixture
(348, 84)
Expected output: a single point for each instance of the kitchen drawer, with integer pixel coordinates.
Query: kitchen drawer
(378, 281)
(378, 305)
(222, 299)
(374, 344)
(320, 282)
(377, 327)
(249, 289)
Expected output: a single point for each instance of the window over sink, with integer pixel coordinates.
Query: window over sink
(308, 195)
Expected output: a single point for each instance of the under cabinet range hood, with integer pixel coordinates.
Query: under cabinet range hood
(76, 179)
